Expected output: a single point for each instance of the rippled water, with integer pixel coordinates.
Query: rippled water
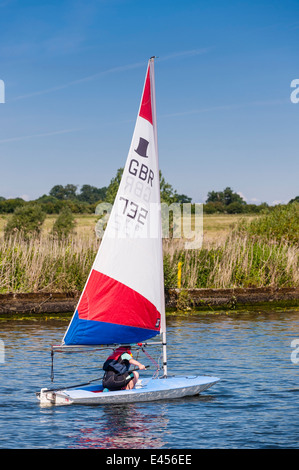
(255, 405)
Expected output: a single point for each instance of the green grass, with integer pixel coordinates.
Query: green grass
(280, 224)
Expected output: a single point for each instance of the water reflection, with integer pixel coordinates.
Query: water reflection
(125, 427)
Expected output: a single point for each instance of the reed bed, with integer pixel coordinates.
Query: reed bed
(240, 261)
(46, 264)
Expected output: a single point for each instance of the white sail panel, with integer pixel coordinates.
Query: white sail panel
(130, 251)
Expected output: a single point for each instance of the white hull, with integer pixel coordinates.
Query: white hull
(145, 390)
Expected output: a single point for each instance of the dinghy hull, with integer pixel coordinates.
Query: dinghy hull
(145, 390)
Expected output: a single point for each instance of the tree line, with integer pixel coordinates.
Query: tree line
(84, 200)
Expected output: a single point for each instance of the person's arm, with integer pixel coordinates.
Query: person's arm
(136, 363)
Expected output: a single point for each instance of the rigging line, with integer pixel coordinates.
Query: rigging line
(72, 386)
(78, 350)
(151, 359)
(86, 348)
(154, 362)
(80, 385)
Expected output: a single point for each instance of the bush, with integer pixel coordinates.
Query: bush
(235, 208)
(25, 221)
(280, 224)
(64, 224)
(8, 206)
(213, 207)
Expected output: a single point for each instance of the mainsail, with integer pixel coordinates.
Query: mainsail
(123, 299)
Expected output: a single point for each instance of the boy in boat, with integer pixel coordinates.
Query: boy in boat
(116, 367)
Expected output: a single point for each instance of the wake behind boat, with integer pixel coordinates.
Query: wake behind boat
(123, 302)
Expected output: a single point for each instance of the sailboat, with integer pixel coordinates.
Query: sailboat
(122, 303)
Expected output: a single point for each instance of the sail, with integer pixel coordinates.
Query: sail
(123, 299)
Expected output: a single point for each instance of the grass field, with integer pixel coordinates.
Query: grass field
(215, 227)
(85, 224)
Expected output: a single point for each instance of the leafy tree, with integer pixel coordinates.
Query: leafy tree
(167, 192)
(91, 194)
(213, 207)
(113, 186)
(214, 196)
(64, 224)
(50, 204)
(182, 198)
(70, 191)
(235, 208)
(226, 197)
(230, 197)
(26, 220)
(44, 199)
(257, 209)
(295, 199)
(9, 205)
(57, 191)
(64, 192)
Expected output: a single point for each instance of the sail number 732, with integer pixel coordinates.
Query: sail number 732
(134, 211)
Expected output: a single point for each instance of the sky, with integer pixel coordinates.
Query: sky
(73, 72)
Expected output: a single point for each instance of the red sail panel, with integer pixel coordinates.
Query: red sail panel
(146, 103)
(110, 301)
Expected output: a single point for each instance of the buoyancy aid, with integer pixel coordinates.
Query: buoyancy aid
(116, 363)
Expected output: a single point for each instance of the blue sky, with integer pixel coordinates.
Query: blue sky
(74, 71)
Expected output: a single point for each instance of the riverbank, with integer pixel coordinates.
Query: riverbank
(177, 300)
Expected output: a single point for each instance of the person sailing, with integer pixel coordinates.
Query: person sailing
(116, 367)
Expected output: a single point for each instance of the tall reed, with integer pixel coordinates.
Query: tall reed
(241, 261)
(46, 264)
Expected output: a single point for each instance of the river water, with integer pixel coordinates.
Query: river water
(254, 406)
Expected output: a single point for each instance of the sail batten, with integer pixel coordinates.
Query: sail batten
(123, 299)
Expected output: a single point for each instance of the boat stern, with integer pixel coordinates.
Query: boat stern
(49, 397)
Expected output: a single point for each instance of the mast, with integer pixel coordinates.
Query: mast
(163, 316)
